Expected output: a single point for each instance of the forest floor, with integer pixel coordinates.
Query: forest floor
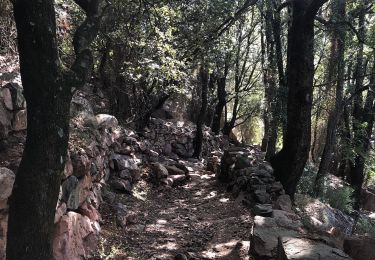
(198, 220)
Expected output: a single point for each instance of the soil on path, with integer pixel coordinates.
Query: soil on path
(198, 220)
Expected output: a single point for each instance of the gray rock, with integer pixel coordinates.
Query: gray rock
(71, 192)
(80, 105)
(284, 202)
(121, 211)
(123, 162)
(106, 121)
(287, 220)
(18, 100)
(7, 178)
(125, 174)
(121, 185)
(243, 162)
(264, 237)
(5, 121)
(262, 196)
(159, 171)
(264, 210)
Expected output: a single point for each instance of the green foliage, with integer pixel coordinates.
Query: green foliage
(337, 195)
(340, 198)
(365, 227)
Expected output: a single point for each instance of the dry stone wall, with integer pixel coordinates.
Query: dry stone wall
(278, 233)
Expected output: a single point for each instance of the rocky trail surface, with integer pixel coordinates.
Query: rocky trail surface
(197, 220)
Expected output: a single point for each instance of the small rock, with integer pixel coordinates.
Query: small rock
(159, 171)
(264, 210)
(173, 170)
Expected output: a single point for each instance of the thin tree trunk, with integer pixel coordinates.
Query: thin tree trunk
(337, 56)
(198, 139)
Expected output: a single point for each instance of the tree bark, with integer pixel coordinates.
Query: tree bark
(289, 163)
(48, 92)
(222, 100)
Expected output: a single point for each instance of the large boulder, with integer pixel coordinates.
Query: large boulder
(264, 239)
(307, 249)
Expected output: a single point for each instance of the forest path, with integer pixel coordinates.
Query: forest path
(198, 220)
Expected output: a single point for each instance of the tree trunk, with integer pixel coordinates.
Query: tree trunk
(47, 90)
(36, 189)
(362, 113)
(198, 139)
(336, 57)
(289, 163)
(222, 100)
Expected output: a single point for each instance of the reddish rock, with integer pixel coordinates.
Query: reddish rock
(85, 186)
(60, 211)
(70, 235)
(89, 211)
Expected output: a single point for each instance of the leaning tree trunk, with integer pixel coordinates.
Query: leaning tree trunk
(337, 56)
(289, 163)
(198, 139)
(47, 90)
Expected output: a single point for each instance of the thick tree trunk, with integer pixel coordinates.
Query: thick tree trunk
(336, 57)
(289, 163)
(198, 139)
(36, 189)
(47, 89)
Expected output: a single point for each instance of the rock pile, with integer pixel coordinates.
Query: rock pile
(169, 175)
(252, 178)
(175, 138)
(278, 233)
(86, 171)
(12, 109)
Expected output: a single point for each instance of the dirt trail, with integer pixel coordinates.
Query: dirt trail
(198, 220)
